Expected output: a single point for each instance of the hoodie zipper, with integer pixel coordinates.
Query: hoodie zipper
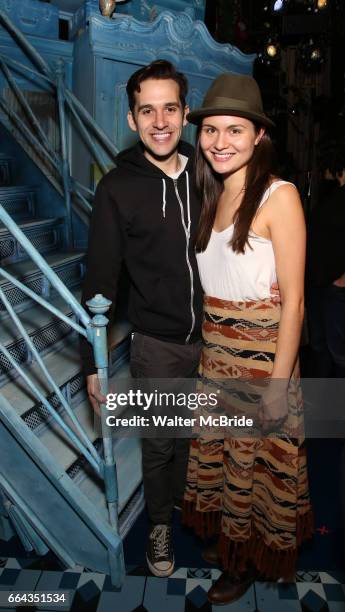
(187, 234)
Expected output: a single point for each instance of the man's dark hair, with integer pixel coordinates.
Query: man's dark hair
(159, 69)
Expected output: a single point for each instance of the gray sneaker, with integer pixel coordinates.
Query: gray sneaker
(160, 555)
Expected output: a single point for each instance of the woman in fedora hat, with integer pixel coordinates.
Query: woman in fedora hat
(250, 491)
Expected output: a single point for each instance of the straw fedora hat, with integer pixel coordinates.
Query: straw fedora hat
(232, 94)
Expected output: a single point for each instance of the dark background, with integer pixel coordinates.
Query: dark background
(303, 85)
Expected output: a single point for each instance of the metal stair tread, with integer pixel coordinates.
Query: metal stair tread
(57, 442)
(31, 223)
(35, 318)
(127, 452)
(21, 269)
(62, 365)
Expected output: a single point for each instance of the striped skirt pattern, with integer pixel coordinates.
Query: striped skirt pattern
(252, 491)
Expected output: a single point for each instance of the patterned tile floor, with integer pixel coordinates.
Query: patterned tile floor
(184, 591)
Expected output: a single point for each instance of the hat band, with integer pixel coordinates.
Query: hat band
(231, 103)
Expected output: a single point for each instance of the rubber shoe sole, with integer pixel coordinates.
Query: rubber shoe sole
(160, 573)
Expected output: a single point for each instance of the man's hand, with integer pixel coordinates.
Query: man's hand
(95, 396)
(275, 293)
(340, 282)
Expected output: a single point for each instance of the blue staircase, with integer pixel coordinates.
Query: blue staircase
(50, 495)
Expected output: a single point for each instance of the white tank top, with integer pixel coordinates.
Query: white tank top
(239, 276)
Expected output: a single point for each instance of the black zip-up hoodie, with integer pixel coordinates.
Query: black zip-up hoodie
(148, 220)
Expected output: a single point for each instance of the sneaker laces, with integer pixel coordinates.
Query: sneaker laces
(160, 536)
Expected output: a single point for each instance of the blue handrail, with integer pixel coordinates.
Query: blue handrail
(41, 263)
(55, 387)
(44, 303)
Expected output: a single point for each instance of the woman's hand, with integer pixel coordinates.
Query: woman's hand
(275, 293)
(274, 407)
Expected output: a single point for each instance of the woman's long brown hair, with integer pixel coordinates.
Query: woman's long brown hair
(210, 186)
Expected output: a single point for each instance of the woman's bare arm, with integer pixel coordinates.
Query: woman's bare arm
(286, 223)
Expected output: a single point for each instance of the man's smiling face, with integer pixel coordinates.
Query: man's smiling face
(158, 117)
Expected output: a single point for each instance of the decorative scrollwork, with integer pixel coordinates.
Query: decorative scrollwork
(179, 36)
(183, 26)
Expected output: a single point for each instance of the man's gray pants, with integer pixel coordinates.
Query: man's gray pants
(164, 460)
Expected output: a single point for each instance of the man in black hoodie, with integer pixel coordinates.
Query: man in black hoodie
(145, 214)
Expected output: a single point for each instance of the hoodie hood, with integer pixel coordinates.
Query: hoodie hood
(134, 161)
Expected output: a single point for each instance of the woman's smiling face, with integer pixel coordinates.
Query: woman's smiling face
(228, 142)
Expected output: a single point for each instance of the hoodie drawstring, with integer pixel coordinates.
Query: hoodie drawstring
(164, 197)
(187, 234)
(188, 203)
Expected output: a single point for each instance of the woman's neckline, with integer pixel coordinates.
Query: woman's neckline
(251, 233)
(226, 229)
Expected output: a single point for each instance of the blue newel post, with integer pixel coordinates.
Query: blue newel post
(99, 305)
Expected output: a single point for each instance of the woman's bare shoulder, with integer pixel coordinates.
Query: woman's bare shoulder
(282, 190)
(278, 183)
(282, 204)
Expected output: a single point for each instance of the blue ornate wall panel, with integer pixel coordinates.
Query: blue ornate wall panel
(111, 102)
(121, 45)
(33, 17)
(179, 38)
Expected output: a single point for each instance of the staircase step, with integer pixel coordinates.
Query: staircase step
(65, 368)
(45, 234)
(68, 266)
(127, 452)
(56, 440)
(19, 201)
(44, 329)
(58, 443)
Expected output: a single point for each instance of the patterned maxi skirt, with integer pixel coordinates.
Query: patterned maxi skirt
(251, 491)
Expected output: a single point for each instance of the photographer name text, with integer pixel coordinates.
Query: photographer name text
(178, 421)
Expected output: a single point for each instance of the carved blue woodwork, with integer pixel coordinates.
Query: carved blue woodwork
(33, 17)
(110, 50)
(179, 38)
